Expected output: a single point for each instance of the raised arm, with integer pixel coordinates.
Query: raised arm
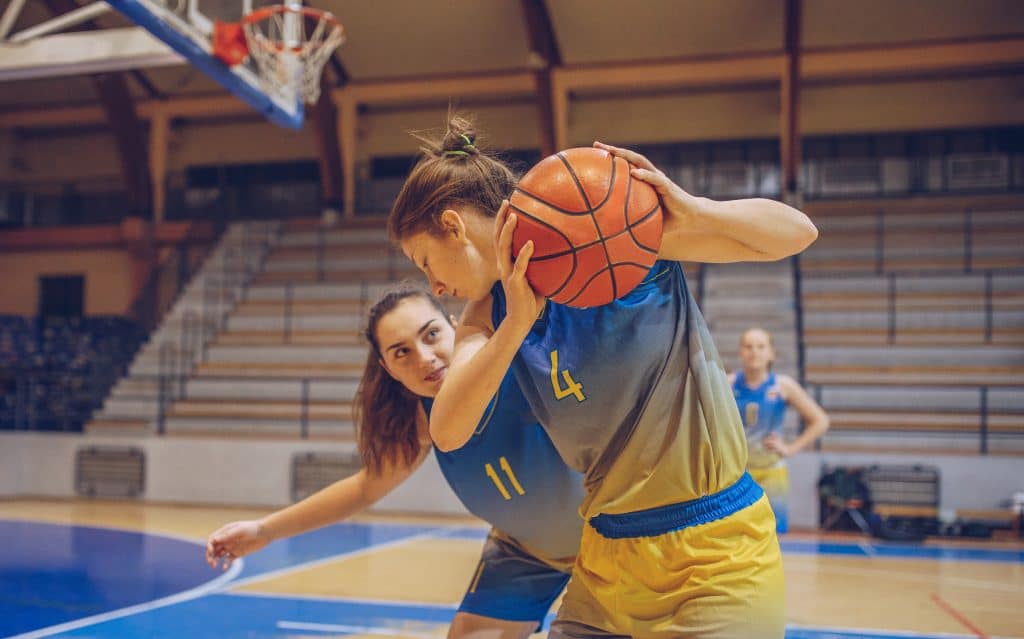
(336, 502)
(483, 355)
(698, 229)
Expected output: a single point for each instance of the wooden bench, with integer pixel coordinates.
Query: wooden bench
(260, 409)
(277, 337)
(276, 308)
(346, 276)
(311, 370)
(923, 421)
(911, 375)
(911, 336)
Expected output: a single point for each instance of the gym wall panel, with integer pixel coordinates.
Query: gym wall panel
(109, 279)
(193, 144)
(385, 132)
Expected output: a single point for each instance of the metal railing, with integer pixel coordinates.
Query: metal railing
(224, 285)
(176, 377)
(982, 409)
(894, 297)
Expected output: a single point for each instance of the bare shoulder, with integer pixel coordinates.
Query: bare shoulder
(788, 385)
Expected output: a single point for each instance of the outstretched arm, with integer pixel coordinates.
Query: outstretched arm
(697, 229)
(340, 500)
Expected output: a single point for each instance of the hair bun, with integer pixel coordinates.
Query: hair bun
(459, 139)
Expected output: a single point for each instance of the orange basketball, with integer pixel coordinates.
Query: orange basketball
(596, 229)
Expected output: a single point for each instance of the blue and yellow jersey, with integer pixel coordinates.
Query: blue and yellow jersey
(634, 394)
(510, 475)
(763, 410)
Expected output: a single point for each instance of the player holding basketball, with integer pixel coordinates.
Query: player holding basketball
(508, 474)
(762, 397)
(680, 542)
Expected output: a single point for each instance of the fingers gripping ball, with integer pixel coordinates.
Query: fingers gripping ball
(596, 229)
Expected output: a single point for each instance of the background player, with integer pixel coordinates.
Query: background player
(508, 474)
(762, 397)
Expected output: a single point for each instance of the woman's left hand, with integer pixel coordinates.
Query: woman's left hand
(679, 207)
(775, 444)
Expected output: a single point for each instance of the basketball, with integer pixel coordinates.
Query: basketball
(596, 229)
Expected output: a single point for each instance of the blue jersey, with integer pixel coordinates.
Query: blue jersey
(510, 475)
(763, 410)
(633, 393)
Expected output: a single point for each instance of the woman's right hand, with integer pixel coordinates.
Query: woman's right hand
(523, 303)
(234, 540)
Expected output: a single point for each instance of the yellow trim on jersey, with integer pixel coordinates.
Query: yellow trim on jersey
(487, 418)
(476, 577)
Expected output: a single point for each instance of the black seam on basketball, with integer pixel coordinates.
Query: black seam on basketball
(584, 286)
(611, 267)
(611, 185)
(575, 262)
(537, 198)
(580, 247)
(643, 218)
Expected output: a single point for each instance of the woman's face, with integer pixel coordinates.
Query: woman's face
(756, 350)
(460, 262)
(416, 343)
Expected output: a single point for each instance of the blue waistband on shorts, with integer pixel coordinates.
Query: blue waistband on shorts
(666, 519)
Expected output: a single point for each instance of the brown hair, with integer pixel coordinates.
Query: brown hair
(385, 410)
(451, 171)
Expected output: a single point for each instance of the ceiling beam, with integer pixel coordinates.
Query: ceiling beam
(876, 63)
(119, 108)
(789, 125)
(921, 59)
(544, 54)
(324, 117)
(515, 84)
(669, 75)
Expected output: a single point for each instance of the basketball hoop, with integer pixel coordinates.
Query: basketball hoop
(289, 61)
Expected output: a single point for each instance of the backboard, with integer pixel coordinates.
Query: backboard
(187, 28)
(169, 32)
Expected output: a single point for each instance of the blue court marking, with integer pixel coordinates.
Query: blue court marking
(901, 551)
(322, 544)
(50, 574)
(468, 533)
(271, 617)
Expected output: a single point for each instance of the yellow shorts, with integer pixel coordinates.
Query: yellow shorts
(717, 580)
(775, 482)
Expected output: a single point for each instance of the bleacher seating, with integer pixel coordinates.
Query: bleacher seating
(914, 329)
(55, 371)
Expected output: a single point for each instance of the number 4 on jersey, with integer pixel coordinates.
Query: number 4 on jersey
(572, 387)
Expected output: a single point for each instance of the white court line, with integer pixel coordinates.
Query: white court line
(396, 603)
(868, 549)
(326, 560)
(199, 591)
(884, 633)
(365, 630)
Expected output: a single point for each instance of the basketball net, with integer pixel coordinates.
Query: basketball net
(289, 59)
